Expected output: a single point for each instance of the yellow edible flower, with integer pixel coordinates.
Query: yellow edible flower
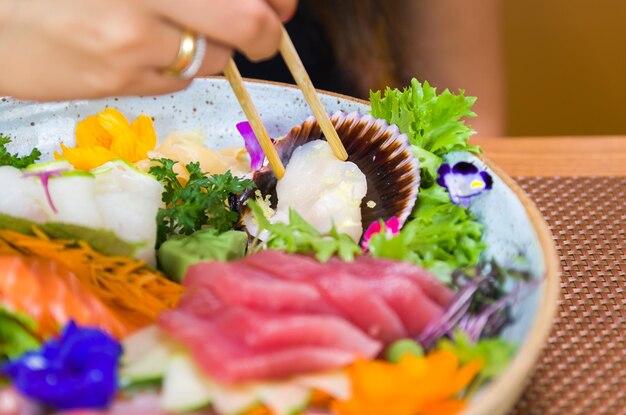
(109, 136)
(414, 386)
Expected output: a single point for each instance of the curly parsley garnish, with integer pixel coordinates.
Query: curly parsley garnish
(20, 162)
(200, 203)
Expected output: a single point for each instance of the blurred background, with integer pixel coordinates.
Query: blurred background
(565, 67)
(539, 67)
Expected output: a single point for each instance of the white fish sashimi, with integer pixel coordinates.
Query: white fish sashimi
(129, 200)
(322, 189)
(116, 196)
(23, 197)
(73, 195)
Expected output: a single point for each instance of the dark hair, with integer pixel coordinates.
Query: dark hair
(367, 38)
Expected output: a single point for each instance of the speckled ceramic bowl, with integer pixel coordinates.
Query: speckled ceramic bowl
(513, 224)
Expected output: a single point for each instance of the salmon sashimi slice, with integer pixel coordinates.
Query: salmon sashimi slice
(52, 295)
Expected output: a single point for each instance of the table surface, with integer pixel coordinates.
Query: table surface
(557, 156)
(579, 185)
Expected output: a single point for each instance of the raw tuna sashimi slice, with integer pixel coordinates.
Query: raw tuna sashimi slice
(271, 331)
(52, 295)
(407, 299)
(234, 284)
(346, 292)
(373, 268)
(229, 361)
(281, 364)
(201, 302)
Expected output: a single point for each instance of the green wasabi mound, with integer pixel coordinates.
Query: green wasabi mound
(178, 253)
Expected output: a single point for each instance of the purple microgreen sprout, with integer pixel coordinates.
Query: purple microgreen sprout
(390, 228)
(257, 156)
(487, 321)
(77, 370)
(44, 178)
(448, 321)
(464, 181)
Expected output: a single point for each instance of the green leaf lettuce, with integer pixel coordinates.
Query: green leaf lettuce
(433, 122)
(298, 236)
(440, 236)
(495, 353)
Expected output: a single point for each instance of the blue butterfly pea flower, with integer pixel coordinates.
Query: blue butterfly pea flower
(76, 370)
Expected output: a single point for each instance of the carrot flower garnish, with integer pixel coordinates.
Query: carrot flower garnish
(415, 385)
(109, 136)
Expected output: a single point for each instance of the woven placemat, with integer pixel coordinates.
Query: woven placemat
(583, 367)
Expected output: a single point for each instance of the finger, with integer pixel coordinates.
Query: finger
(164, 48)
(215, 60)
(250, 26)
(284, 8)
(153, 82)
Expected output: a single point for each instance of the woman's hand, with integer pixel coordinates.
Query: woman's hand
(64, 49)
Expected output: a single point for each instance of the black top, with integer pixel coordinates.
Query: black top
(315, 50)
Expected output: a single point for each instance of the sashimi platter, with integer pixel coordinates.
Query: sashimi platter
(151, 262)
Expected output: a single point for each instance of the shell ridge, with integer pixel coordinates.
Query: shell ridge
(380, 151)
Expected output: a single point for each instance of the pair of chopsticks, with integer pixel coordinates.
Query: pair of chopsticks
(294, 63)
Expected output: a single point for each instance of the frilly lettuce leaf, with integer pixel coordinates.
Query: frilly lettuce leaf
(440, 236)
(299, 236)
(433, 122)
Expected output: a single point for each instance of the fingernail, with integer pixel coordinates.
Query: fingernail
(288, 18)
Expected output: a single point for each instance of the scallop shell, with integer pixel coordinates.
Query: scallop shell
(380, 151)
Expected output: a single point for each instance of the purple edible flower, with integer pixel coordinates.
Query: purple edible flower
(463, 181)
(44, 177)
(76, 370)
(257, 156)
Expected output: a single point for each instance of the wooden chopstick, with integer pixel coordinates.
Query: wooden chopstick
(236, 82)
(294, 63)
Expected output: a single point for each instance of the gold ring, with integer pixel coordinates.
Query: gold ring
(186, 55)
